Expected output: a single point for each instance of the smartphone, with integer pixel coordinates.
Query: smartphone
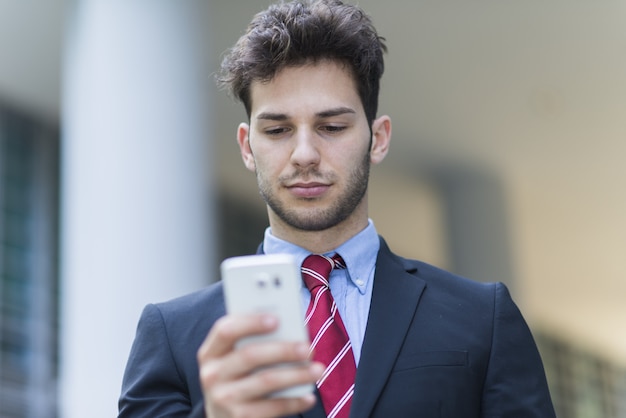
(268, 283)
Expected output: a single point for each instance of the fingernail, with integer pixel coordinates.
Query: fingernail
(302, 350)
(269, 321)
(317, 369)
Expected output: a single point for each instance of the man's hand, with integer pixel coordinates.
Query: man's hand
(230, 387)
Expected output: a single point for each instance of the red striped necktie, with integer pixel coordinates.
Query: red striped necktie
(329, 340)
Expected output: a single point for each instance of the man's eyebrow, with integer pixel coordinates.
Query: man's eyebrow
(334, 112)
(323, 114)
(272, 116)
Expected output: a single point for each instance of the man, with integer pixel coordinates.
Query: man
(421, 342)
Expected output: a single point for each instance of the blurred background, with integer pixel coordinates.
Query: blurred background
(121, 183)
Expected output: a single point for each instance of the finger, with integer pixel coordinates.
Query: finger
(245, 360)
(231, 328)
(260, 355)
(268, 408)
(283, 376)
(259, 385)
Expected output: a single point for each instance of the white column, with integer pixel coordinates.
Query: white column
(136, 214)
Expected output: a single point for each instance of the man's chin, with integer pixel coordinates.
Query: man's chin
(310, 222)
(310, 225)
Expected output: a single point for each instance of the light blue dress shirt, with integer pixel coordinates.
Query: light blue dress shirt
(351, 287)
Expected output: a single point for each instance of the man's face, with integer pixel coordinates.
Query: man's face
(309, 144)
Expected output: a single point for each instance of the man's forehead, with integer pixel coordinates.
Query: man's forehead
(324, 70)
(323, 89)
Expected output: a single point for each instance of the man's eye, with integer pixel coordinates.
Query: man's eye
(275, 131)
(333, 128)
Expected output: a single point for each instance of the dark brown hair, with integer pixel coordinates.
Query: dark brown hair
(304, 31)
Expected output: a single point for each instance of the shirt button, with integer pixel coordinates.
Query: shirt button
(359, 282)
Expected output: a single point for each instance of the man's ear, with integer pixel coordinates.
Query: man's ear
(381, 136)
(243, 139)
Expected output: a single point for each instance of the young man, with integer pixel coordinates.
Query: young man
(419, 341)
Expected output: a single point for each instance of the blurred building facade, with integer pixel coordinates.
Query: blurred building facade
(29, 296)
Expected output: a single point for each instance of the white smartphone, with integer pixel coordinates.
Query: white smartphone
(270, 284)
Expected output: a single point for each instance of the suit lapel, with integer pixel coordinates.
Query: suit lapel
(395, 296)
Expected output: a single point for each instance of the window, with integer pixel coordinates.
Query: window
(582, 385)
(28, 267)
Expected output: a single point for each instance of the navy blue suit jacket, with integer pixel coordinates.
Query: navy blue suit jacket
(436, 345)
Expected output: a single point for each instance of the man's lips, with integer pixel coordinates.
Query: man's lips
(308, 190)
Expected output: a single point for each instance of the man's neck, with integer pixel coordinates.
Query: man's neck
(319, 242)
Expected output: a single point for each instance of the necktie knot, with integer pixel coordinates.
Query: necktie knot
(317, 268)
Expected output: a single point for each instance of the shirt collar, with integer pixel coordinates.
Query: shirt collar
(359, 253)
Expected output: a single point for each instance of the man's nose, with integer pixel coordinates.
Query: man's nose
(306, 149)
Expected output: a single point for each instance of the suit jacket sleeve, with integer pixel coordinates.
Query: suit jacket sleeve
(515, 384)
(152, 385)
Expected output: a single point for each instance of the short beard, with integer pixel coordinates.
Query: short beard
(321, 219)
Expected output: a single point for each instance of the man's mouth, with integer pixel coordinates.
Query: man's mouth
(308, 190)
